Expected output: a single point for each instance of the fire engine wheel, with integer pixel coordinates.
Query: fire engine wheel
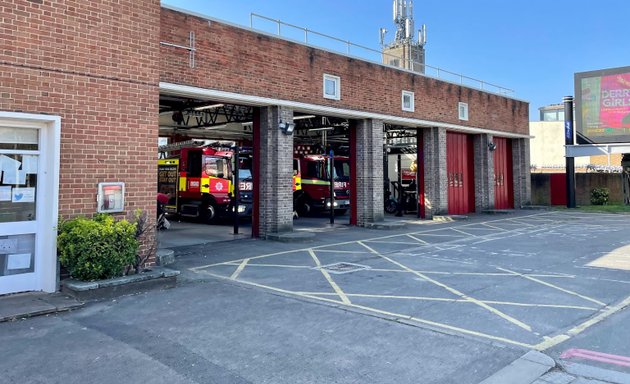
(303, 208)
(210, 213)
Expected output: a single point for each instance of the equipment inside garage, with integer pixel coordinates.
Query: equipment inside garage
(400, 160)
(205, 146)
(199, 141)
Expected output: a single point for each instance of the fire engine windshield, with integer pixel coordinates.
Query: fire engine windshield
(244, 174)
(342, 169)
(215, 167)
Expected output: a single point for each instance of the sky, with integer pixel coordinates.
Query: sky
(533, 47)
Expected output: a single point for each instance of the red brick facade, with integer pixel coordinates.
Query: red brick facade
(237, 60)
(94, 63)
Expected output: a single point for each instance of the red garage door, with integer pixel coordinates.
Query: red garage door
(503, 181)
(459, 168)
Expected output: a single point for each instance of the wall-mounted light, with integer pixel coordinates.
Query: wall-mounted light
(491, 146)
(286, 128)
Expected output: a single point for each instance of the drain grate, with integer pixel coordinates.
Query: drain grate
(340, 268)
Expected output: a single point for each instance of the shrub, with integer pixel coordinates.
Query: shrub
(98, 248)
(599, 196)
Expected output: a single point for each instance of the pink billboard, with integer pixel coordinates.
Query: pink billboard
(615, 101)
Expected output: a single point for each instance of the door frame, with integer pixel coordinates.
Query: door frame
(47, 209)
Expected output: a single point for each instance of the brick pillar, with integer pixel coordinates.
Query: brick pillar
(369, 172)
(521, 172)
(435, 181)
(484, 173)
(275, 173)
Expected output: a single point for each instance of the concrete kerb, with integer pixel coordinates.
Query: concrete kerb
(524, 370)
(156, 278)
(291, 237)
(595, 373)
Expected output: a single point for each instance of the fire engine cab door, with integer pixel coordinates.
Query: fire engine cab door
(28, 206)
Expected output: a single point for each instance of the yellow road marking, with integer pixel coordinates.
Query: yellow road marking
(416, 239)
(493, 227)
(334, 285)
(425, 298)
(280, 266)
(391, 242)
(239, 269)
(391, 314)
(465, 233)
(456, 292)
(553, 286)
(606, 313)
(335, 251)
(322, 247)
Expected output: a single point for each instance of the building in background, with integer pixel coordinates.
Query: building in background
(547, 146)
(405, 51)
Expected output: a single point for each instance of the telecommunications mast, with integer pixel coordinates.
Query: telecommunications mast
(404, 51)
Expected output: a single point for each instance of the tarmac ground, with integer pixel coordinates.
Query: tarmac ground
(435, 302)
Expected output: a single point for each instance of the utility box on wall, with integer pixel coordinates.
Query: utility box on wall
(111, 197)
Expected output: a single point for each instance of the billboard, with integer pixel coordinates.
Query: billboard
(603, 106)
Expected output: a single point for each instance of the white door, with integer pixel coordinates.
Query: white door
(28, 204)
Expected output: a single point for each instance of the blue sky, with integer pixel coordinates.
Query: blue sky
(533, 47)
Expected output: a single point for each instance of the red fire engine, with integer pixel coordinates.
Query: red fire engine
(199, 180)
(314, 171)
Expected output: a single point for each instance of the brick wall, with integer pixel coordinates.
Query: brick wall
(276, 172)
(94, 63)
(237, 60)
(484, 173)
(369, 179)
(521, 172)
(435, 178)
(584, 184)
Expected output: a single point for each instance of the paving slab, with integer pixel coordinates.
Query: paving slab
(31, 304)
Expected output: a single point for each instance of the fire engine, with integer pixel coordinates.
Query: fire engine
(314, 171)
(199, 180)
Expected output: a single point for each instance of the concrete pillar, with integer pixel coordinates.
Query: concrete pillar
(521, 172)
(369, 172)
(275, 173)
(484, 172)
(435, 178)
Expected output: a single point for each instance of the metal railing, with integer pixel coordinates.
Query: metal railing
(310, 37)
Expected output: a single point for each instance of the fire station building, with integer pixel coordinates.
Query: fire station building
(85, 85)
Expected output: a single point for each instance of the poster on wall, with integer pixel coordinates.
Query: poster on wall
(23, 195)
(5, 193)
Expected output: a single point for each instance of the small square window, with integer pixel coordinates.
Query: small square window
(332, 87)
(407, 101)
(463, 111)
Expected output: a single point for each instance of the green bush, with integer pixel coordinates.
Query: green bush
(98, 248)
(599, 196)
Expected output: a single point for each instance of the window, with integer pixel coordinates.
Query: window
(407, 101)
(463, 111)
(394, 62)
(332, 87)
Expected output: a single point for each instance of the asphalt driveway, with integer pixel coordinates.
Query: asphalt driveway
(526, 279)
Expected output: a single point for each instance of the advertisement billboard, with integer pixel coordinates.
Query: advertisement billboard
(602, 104)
